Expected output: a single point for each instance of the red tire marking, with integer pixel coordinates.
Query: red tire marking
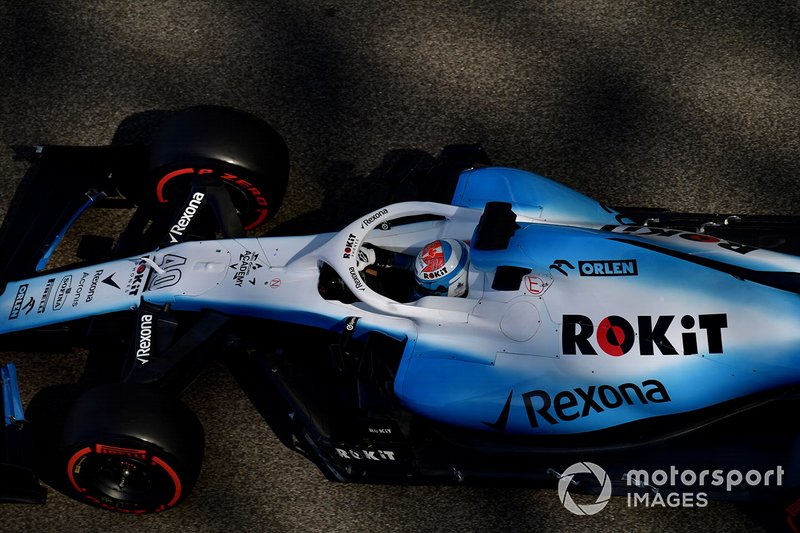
(71, 466)
(114, 450)
(163, 181)
(175, 479)
(262, 214)
(243, 185)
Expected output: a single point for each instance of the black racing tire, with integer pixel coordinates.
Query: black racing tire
(240, 150)
(131, 449)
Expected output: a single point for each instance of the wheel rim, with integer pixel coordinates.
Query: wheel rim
(124, 479)
(124, 483)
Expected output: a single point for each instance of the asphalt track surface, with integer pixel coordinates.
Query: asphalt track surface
(690, 105)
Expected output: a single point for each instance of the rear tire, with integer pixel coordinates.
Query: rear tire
(131, 449)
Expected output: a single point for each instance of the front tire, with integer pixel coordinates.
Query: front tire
(131, 449)
(227, 145)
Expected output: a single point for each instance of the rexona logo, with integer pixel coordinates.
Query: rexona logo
(194, 204)
(663, 335)
(375, 216)
(145, 338)
(566, 406)
(581, 402)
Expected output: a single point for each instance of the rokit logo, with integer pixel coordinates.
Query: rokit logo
(350, 246)
(617, 336)
(365, 455)
(136, 278)
(375, 216)
(581, 402)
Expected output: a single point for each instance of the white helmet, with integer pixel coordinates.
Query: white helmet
(441, 268)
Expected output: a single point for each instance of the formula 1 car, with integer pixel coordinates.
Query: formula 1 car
(631, 337)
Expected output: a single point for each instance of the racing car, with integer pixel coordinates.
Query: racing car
(483, 324)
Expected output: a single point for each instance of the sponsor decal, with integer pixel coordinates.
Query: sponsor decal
(372, 218)
(561, 264)
(359, 283)
(431, 263)
(535, 285)
(64, 288)
(435, 275)
(365, 455)
(579, 402)
(48, 288)
(247, 263)
(171, 265)
(110, 281)
(617, 267)
(350, 246)
(186, 217)
(432, 258)
(136, 278)
(79, 289)
(273, 283)
(145, 338)
(93, 285)
(616, 336)
(115, 450)
(643, 231)
(19, 298)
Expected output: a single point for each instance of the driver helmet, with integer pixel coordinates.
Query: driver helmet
(441, 268)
